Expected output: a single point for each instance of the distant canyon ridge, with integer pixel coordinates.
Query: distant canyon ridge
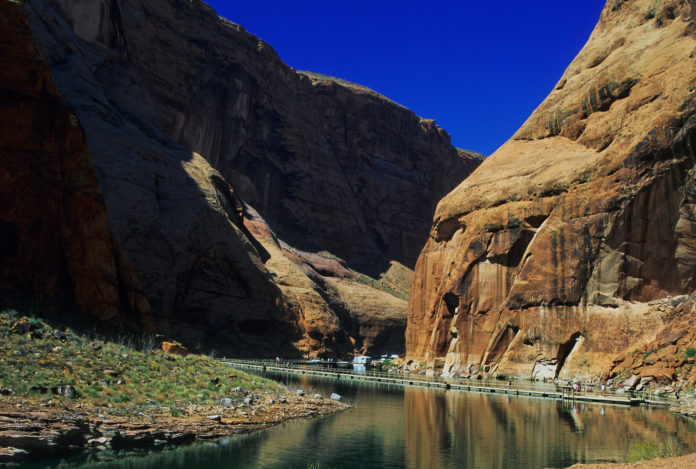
(165, 171)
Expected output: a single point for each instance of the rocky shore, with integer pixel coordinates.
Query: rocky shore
(682, 462)
(34, 430)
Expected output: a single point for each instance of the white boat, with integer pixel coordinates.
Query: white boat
(362, 360)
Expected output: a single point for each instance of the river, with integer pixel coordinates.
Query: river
(413, 427)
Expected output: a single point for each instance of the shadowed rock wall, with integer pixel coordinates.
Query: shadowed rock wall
(56, 249)
(326, 164)
(186, 114)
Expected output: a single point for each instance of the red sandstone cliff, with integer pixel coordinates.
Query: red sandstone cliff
(56, 249)
(542, 261)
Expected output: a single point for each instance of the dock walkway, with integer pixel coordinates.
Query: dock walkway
(457, 384)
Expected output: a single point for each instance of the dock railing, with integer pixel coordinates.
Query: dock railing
(514, 387)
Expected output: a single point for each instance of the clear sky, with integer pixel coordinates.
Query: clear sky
(478, 68)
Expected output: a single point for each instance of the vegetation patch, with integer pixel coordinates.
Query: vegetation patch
(380, 285)
(40, 362)
(690, 353)
(650, 352)
(652, 449)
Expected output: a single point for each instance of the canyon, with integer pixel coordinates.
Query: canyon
(239, 205)
(573, 245)
(230, 202)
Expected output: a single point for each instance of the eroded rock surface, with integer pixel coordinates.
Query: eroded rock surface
(540, 262)
(669, 356)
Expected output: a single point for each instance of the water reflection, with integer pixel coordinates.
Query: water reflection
(483, 431)
(393, 427)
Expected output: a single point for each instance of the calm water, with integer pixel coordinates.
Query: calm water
(393, 427)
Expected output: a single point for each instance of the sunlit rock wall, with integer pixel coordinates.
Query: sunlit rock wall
(539, 262)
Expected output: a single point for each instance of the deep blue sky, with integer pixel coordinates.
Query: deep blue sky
(478, 68)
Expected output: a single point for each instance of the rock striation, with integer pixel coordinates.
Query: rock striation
(542, 262)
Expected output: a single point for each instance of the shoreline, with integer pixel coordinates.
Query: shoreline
(687, 461)
(31, 431)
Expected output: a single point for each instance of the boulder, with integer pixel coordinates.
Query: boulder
(65, 390)
(632, 382)
(21, 327)
(101, 441)
(11, 455)
(174, 348)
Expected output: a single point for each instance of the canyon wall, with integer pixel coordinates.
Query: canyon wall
(545, 260)
(327, 164)
(247, 200)
(56, 249)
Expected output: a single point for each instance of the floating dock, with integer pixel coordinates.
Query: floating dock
(457, 384)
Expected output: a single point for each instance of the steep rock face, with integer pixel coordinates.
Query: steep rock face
(56, 249)
(326, 164)
(176, 219)
(535, 262)
(334, 168)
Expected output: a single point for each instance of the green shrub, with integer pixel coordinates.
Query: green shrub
(690, 353)
(651, 449)
(121, 397)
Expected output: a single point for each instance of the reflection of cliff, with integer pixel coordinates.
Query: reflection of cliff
(375, 425)
(446, 429)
